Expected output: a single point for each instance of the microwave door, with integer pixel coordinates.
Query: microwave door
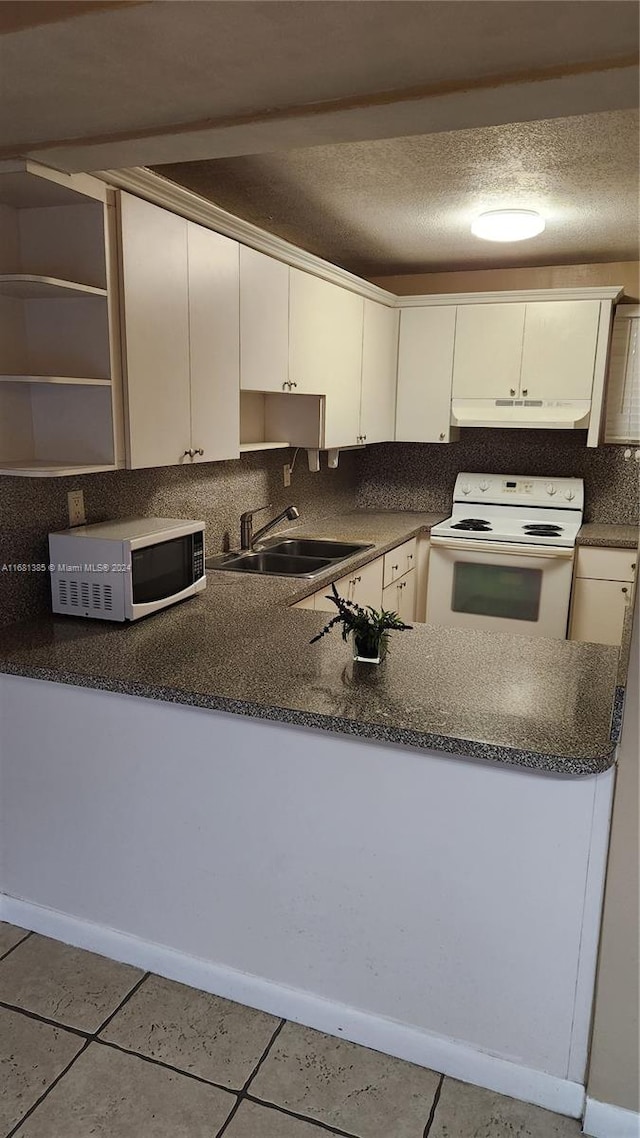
(162, 574)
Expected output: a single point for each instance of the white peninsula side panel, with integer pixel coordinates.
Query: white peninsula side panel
(441, 909)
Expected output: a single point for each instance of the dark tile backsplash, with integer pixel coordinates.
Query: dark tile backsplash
(420, 476)
(216, 492)
(393, 476)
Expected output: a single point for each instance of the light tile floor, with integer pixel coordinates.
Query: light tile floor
(92, 1047)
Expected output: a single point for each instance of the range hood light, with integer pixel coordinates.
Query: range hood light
(508, 225)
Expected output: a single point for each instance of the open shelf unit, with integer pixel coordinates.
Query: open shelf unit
(274, 420)
(60, 393)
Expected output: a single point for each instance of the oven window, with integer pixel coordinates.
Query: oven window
(160, 571)
(496, 590)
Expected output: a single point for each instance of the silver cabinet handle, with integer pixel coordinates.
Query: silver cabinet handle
(442, 436)
(293, 385)
(512, 391)
(199, 451)
(394, 567)
(188, 452)
(525, 391)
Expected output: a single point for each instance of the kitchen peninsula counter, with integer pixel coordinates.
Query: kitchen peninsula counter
(239, 647)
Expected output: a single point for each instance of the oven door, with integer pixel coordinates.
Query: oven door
(499, 586)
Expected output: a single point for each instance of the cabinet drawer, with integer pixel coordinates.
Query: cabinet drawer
(399, 561)
(606, 564)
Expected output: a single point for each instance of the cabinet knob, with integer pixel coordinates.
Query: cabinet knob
(633, 564)
(199, 451)
(442, 436)
(624, 589)
(292, 385)
(364, 438)
(525, 391)
(512, 391)
(394, 567)
(189, 452)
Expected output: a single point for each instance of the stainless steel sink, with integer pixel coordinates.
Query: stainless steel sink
(289, 557)
(316, 547)
(273, 564)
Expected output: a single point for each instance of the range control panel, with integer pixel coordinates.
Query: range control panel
(519, 490)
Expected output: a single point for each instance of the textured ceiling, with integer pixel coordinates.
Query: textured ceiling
(406, 204)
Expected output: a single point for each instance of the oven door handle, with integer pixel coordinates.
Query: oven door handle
(508, 548)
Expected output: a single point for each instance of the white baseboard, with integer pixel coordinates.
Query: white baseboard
(601, 1120)
(459, 1060)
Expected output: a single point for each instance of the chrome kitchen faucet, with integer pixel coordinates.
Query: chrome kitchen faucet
(248, 538)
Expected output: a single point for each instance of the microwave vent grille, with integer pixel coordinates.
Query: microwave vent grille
(78, 594)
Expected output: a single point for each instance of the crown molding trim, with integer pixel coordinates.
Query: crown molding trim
(154, 188)
(612, 293)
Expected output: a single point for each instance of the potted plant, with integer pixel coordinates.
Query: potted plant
(369, 627)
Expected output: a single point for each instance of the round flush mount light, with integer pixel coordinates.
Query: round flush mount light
(508, 225)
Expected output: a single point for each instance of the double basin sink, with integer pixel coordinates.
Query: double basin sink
(289, 557)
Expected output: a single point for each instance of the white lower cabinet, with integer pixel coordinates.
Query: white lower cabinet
(603, 587)
(363, 586)
(400, 597)
(599, 609)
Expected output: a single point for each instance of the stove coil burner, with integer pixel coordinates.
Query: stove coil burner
(543, 530)
(479, 525)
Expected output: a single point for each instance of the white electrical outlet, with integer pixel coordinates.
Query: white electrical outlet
(77, 516)
(286, 474)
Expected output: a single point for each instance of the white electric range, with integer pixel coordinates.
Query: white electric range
(503, 561)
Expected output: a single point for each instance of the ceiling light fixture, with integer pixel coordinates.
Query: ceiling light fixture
(508, 225)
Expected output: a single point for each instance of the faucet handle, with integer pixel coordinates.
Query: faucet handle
(249, 513)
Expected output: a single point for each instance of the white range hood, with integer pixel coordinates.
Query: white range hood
(560, 414)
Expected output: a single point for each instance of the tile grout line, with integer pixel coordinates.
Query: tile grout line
(243, 1090)
(16, 945)
(434, 1107)
(317, 1122)
(43, 1096)
(160, 1063)
(121, 1005)
(43, 1019)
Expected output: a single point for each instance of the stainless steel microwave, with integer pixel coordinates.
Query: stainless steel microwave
(127, 569)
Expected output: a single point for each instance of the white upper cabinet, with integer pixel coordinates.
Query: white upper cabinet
(214, 334)
(264, 322)
(379, 368)
(488, 351)
(325, 352)
(155, 298)
(559, 349)
(180, 293)
(623, 383)
(425, 369)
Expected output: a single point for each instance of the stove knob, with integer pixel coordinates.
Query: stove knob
(484, 485)
(466, 489)
(569, 495)
(551, 488)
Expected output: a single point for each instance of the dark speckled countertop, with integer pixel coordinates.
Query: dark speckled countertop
(240, 647)
(609, 536)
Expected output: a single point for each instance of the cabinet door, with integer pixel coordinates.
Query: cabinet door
(598, 610)
(325, 352)
(425, 369)
(155, 299)
(559, 349)
(363, 586)
(488, 351)
(379, 371)
(214, 337)
(400, 597)
(264, 322)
